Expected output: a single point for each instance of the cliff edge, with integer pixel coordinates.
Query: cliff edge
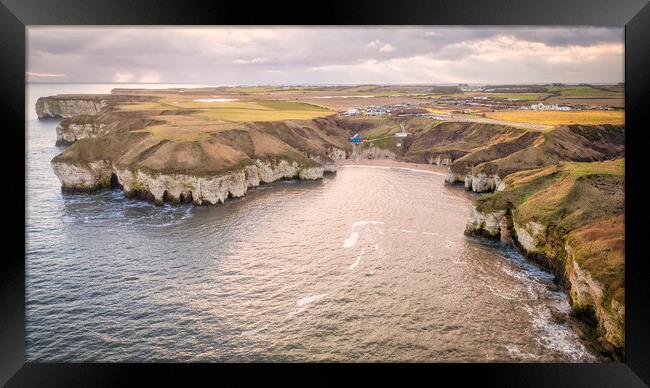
(568, 218)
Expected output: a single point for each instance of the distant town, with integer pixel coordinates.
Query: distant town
(477, 100)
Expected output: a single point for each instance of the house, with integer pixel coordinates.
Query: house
(541, 106)
(410, 112)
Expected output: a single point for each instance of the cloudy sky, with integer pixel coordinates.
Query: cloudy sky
(325, 55)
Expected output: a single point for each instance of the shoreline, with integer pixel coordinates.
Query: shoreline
(389, 163)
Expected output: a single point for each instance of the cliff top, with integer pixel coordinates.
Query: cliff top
(584, 202)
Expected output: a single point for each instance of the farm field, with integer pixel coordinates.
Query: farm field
(593, 117)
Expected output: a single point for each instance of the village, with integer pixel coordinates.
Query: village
(453, 105)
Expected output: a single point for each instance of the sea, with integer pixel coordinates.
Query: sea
(369, 264)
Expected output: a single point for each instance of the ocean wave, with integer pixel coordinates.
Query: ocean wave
(351, 240)
(248, 333)
(359, 256)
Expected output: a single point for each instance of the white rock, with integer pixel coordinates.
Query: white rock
(202, 189)
(69, 133)
(47, 107)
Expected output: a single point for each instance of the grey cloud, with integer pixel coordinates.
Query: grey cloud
(245, 55)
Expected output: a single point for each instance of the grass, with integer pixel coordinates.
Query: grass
(186, 131)
(582, 205)
(592, 117)
(210, 117)
(527, 189)
(519, 96)
(583, 91)
(284, 105)
(257, 112)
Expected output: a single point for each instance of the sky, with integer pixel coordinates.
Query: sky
(325, 55)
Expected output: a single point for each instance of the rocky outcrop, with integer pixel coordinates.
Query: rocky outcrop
(588, 294)
(482, 183)
(440, 160)
(530, 236)
(336, 153)
(328, 162)
(485, 224)
(68, 132)
(484, 169)
(176, 188)
(453, 178)
(541, 246)
(83, 176)
(373, 152)
(70, 106)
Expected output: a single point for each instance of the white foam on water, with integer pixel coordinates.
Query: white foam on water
(501, 294)
(406, 231)
(431, 233)
(517, 354)
(558, 337)
(304, 302)
(296, 311)
(309, 299)
(359, 256)
(216, 99)
(351, 240)
(252, 332)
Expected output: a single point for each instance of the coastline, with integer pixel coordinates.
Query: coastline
(389, 163)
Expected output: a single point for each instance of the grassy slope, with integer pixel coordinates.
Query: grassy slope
(566, 143)
(212, 152)
(582, 203)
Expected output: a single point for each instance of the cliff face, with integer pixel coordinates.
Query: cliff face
(83, 176)
(482, 183)
(69, 132)
(484, 169)
(70, 106)
(179, 188)
(440, 160)
(486, 224)
(155, 161)
(577, 237)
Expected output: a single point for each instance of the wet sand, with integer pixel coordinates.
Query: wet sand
(389, 163)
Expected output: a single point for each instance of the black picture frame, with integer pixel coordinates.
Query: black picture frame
(15, 15)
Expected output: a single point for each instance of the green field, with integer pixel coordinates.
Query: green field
(584, 91)
(560, 117)
(209, 117)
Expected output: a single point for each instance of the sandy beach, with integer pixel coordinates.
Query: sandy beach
(388, 163)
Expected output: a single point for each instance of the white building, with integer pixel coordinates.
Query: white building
(402, 132)
(541, 106)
